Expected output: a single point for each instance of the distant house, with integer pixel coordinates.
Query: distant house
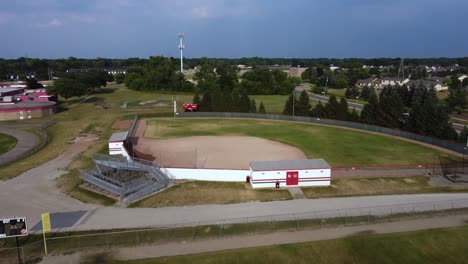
(371, 82)
(462, 77)
(394, 81)
(437, 83)
(109, 70)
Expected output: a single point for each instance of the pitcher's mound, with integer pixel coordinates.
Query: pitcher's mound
(215, 152)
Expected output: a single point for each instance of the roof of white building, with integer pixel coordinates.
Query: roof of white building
(274, 165)
(119, 136)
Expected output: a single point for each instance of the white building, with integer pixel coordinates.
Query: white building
(289, 173)
(117, 144)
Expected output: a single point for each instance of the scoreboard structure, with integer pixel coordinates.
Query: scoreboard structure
(13, 227)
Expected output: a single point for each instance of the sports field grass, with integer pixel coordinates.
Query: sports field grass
(436, 246)
(377, 186)
(339, 147)
(6, 143)
(205, 192)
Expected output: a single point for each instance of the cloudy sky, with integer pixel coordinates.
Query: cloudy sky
(234, 28)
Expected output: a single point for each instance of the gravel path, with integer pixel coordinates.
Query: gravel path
(26, 141)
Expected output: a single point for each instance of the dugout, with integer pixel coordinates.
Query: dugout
(289, 173)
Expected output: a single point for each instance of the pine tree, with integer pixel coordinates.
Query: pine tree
(343, 113)
(333, 108)
(244, 104)
(235, 95)
(370, 111)
(290, 103)
(253, 106)
(196, 99)
(391, 108)
(206, 102)
(354, 115)
(261, 108)
(351, 92)
(365, 93)
(217, 101)
(303, 105)
(319, 111)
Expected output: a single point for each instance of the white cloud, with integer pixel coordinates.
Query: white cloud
(55, 23)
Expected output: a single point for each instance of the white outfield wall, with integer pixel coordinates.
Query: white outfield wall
(309, 177)
(207, 174)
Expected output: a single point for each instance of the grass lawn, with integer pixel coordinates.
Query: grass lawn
(340, 93)
(274, 104)
(436, 246)
(205, 192)
(6, 143)
(339, 147)
(376, 186)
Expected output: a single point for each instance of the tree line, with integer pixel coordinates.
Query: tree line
(23, 66)
(219, 91)
(78, 84)
(424, 114)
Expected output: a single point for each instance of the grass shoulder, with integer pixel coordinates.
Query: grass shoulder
(378, 186)
(206, 192)
(445, 245)
(7, 143)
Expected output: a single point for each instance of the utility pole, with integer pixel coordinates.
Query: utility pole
(294, 99)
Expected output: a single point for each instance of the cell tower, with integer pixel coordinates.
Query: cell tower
(402, 68)
(181, 48)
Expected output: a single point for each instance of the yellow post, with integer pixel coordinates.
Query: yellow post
(45, 227)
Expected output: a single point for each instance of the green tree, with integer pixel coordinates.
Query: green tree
(319, 111)
(290, 103)
(365, 92)
(333, 108)
(120, 78)
(351, 92)
(457, 96)
(303, 104)
(343, 112)
(196, 99)
(67, 88)
(261, 108)
(206, 104)
(253, 106)
(244, 103)
(391, 108)
(370, 112)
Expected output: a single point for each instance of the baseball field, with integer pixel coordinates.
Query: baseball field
(230, 143)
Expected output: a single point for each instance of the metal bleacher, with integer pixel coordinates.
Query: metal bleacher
(128, 179)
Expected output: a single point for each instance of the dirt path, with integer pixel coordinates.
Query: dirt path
(35, 192)
(259, 240)
(26, 141)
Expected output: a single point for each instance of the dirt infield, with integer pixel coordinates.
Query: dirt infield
(122, 124)
(214, 152)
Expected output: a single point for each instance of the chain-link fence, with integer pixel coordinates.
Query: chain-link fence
(450, 145)
(32, 247)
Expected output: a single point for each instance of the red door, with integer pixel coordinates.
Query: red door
(292, 178)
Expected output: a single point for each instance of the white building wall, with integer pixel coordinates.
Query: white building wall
(117, 148)
(207, 174)
(313, 177)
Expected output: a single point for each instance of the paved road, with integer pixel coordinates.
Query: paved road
(113, 217)
(26, 141)
(35, 192)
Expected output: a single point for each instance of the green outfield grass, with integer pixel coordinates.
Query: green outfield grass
(6, 143)
(420, 247)
(340, 147)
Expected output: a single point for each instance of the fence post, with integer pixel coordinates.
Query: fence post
(368, 216)
(138, 239)
(22, 254)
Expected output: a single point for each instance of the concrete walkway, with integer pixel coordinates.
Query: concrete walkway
(26, 141)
